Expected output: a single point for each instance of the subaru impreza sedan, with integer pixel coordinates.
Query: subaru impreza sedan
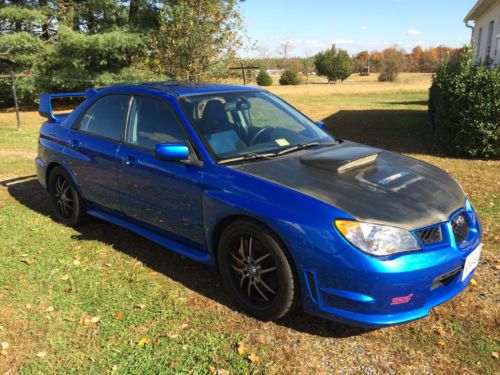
(234, 177)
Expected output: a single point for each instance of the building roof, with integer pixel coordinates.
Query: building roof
(478, 9)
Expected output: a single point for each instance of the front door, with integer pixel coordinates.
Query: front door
(162, 194)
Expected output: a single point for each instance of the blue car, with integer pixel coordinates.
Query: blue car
(234, 177)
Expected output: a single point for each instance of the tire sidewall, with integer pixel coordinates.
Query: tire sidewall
(77, 209)
(287, 293)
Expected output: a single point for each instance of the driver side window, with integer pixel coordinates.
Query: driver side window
(152, 122)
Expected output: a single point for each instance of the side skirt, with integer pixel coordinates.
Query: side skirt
(179, 248)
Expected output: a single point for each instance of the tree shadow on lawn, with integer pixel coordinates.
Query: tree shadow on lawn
(195, 276)
(405, 131)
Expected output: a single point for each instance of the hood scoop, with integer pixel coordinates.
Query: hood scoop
(342, 159)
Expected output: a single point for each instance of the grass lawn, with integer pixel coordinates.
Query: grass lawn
(99, 299)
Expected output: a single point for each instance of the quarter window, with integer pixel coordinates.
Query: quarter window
(106, 117)
(152, 122)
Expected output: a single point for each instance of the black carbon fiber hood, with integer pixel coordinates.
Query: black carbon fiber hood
(395, 189)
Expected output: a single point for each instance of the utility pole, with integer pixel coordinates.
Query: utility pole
(16, 104)
(243, 71)
(13, 78)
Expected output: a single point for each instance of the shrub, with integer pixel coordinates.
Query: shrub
(464, 107)
(264, 79)
(289, 77)
(389, 71)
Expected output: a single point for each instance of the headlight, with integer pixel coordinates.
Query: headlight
(379, 240)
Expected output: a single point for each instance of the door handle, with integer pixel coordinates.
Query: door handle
(74, 144)
(129, 161)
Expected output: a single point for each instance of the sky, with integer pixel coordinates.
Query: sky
(354, 25)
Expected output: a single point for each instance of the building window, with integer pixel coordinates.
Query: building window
(489, 40)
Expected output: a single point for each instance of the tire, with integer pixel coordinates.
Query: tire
(66, 202)
(255, 266)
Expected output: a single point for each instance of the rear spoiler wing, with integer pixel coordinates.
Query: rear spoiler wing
(45, 106)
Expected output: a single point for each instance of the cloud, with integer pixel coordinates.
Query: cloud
(346, 41)
(414, 32)
(364, 27)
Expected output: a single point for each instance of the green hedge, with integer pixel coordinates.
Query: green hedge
(464, 107)
(289, 77)
(264, 79)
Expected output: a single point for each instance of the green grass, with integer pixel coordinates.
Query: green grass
(51, 276)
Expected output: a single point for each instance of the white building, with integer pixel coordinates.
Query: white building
(484, 20)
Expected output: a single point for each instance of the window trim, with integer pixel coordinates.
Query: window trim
(189, 140)
(78, 122)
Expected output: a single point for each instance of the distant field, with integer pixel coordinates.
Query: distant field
(52, 276)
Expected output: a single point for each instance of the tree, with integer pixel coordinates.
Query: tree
(334, 64)
(389, 71)
(195, 37)
(289, 77)
(264, 79)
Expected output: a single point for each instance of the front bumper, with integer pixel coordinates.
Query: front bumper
(376, 292)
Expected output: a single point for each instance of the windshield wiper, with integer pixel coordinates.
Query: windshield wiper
(305, 145)
(249, 157)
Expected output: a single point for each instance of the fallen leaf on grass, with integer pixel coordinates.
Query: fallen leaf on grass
(440, 331)
(41, 354)
(495, 355)
(157, 342)
(29, 262)
(211, 369)
(242, 348)
(4, 345)
(254, 358)
(50, 309)
(222, 371)
(142, 342)
(3, 352)
(119, 315)
(65, 277)
(441, 343)
(76, 262)
(8, 287)
(88, 321)
(114, 368)
(184, 325)
(473, 282)
(140, 306)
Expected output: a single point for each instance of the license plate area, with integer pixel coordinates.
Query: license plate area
(471, 261)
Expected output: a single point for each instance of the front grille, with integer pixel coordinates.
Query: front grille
(460, 226)
(430, 235)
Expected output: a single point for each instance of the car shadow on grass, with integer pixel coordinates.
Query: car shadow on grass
(194, 276)
(405, 131)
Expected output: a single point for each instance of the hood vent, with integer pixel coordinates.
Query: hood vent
(342, 159)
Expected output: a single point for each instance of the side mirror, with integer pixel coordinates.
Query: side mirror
(171, 152)
(320, 124)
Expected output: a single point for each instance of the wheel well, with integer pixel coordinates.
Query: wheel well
(50, 167)
(222, 225)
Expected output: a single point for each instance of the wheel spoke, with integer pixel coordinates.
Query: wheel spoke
(262, 258)
(250, 245)
(260, 291)
(266, 286)
(237, 259)
(249, 288)
(267, 270)
(239, 270)
(241, 250)
(243, 279)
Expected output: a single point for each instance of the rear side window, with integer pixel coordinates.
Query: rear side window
(152, 122)
(106, 117)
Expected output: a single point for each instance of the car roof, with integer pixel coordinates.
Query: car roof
(191, 88)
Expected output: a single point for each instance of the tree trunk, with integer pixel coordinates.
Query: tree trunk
(133, 12)
(45, 25)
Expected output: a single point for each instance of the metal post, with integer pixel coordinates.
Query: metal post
(244, 75)
(14, 79)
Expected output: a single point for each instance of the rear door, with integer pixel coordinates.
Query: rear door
(92, 150)
(163, 194)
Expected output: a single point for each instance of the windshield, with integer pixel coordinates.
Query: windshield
(239, 124)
